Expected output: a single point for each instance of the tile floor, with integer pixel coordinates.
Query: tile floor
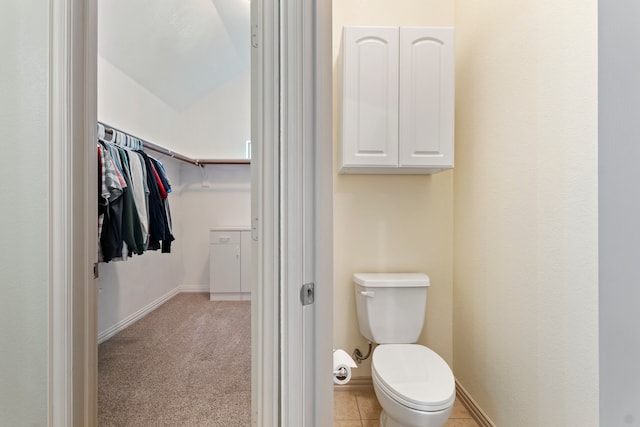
(361, 409)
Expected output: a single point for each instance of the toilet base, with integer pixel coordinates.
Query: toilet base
(386, 421)
(436, 419)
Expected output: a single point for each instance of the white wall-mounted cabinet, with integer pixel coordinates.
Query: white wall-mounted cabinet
(397, 109)
(230, 264)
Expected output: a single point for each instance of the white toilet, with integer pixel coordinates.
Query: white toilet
(413, 384)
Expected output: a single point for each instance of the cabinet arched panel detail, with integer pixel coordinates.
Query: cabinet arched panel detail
(370, 94)
(397, 100)
(426, 97)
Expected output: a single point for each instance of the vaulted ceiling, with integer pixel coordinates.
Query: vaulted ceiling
(179, 50)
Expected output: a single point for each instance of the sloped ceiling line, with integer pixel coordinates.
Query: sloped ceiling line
(179, 50)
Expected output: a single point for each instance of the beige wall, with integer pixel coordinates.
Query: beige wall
(525, 265)
(392, 223)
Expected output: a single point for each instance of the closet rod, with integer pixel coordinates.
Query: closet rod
(162, 150)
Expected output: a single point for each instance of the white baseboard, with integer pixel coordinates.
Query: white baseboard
(194, 288)
(474, 410)
(121, 325)
(230, 296)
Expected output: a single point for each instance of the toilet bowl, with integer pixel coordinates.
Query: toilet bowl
(414, 386)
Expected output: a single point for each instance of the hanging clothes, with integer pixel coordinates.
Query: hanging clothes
(160, 236)
(110, 207)
(131, 228)
(140, 192)
(133, 206)
(162, 174)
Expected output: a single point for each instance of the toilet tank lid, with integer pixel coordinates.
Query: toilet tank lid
(400, 280)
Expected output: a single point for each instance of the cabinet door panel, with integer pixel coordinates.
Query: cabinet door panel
(370, 96)
(225, 268)
(426, 96)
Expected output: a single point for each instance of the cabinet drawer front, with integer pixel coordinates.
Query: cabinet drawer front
(224, 237)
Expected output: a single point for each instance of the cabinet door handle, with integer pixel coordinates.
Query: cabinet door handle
(225, 239)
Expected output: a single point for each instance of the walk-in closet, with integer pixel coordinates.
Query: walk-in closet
(174, 191)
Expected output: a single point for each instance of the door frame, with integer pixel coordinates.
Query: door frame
(72, 354)
(306, 171)
(265, 134)
(72, 241)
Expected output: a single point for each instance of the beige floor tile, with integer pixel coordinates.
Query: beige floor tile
(345, 406)
(347, 423)
(361, 409)
(461, 422)
(459, 411)
(368, 405)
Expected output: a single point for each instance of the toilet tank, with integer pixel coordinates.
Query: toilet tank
(391, 306)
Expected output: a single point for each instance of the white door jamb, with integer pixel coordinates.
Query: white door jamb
(72, 393)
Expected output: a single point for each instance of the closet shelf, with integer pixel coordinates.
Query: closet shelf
(162, 150)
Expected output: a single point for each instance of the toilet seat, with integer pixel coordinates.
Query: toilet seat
(414, 376)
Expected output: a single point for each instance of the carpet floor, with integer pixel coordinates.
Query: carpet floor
(187, 364)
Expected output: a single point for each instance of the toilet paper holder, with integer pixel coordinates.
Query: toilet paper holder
(341, 373)
(342, 365)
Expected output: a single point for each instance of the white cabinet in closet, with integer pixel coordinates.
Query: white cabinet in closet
(230, 264)
(397, 109)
